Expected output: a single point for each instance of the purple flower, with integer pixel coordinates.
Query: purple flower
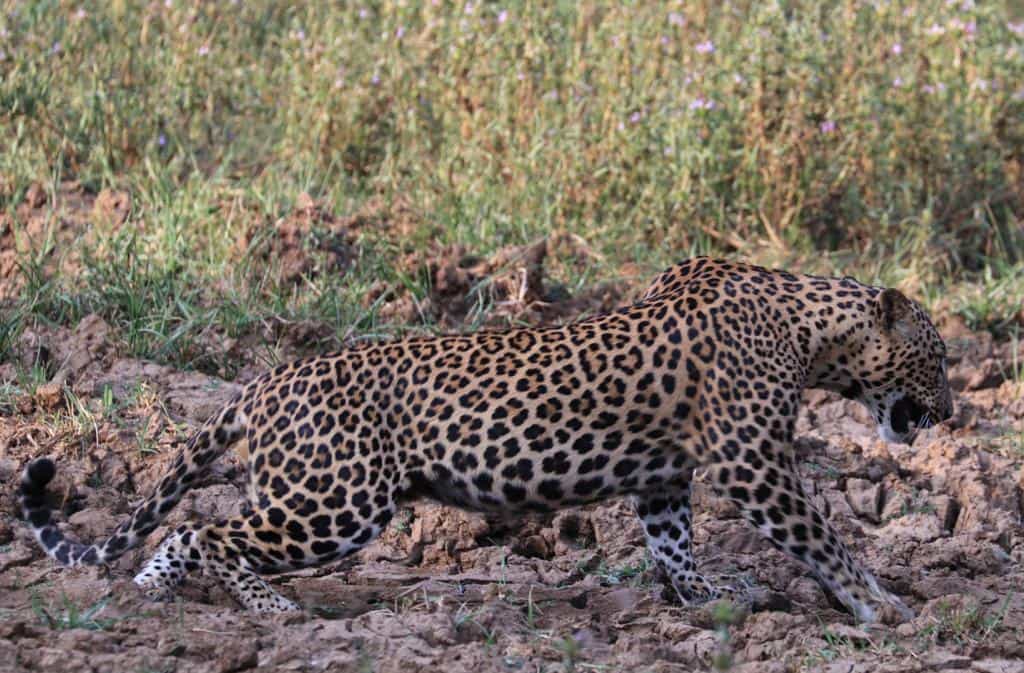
(400, 32)
(707, 47)
(55, 49)
(936, 29)
(702, 104)
(827, 126)
(928, 89)
(203, 50)
(503, 16)
(897, 49)
(635, 117)
(375, 80)
(161, 140)
(897, 83)
(676, 19)
(1016, 28)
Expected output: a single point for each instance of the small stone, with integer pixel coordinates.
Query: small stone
(853, 634)
(919, 526)
(946, 661)
(17, 555)
(947, 509)
(624, 599)
(763, 600)
(805, 591)
(865, 498)
(988, 374)
(35, 195)
(93, 523)
(50, 396)
(998, 666)
(238, 656)
(534, 546)
(171, 647)
(906, 630)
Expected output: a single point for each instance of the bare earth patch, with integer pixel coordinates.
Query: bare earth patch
(939, 522)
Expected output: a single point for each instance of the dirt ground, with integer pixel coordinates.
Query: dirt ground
(939, 522)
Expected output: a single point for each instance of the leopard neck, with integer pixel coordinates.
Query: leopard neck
(836, 322)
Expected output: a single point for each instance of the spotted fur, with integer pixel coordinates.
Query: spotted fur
(705, 370)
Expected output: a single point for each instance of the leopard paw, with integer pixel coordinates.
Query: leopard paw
(697, 590)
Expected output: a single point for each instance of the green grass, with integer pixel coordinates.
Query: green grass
(881, 139)
(995, 302)
(838, 645)
(725, 616)
(627, 574)
(465, 618)
(71, 616)
(962, 625)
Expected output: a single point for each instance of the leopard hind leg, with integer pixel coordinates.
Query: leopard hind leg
(236, 551)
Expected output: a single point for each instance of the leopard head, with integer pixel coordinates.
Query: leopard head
(900, 371)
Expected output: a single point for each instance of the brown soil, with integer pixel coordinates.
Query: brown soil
(444, 590)
(308, 242)
(512, 286)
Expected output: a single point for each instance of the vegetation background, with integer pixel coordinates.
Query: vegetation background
(878, 139)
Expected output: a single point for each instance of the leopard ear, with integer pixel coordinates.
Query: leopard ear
(896, 312)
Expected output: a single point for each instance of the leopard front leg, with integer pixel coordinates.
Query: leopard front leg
(769, 493)
(666, 517)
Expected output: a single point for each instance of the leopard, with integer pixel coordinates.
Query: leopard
(701, 376)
